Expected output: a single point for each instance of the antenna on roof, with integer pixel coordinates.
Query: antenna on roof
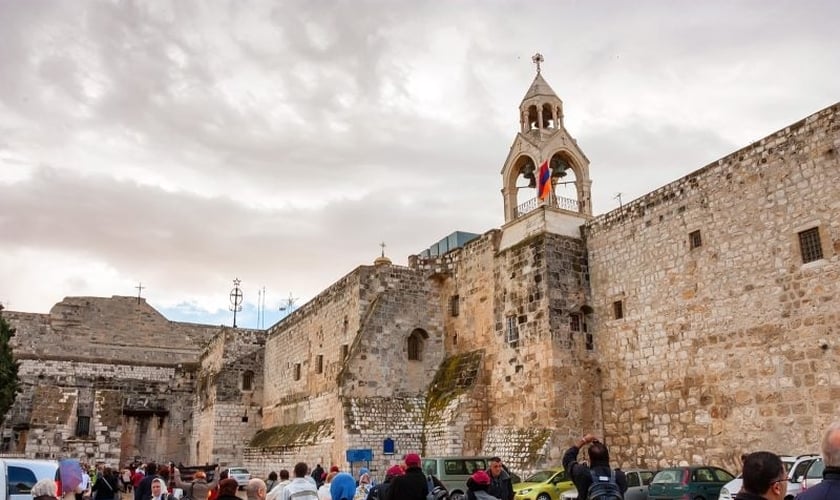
(288, 304)
(618, 197)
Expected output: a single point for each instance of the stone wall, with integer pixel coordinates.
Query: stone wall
(728, 346)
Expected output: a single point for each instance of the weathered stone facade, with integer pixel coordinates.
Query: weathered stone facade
(683, 326)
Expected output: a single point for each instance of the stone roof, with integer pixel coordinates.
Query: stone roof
(539, 87)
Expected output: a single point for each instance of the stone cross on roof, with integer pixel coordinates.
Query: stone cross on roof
(537, 59)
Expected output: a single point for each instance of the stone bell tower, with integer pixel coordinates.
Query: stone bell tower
(544, 148)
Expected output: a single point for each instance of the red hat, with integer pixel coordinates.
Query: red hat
(395, 471)
(334, 468)
(481, 477)
(412, 460)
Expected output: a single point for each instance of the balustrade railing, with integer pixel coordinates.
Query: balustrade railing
(554, 201)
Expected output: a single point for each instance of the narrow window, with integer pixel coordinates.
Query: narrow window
(574, 322)
(512, 331)
(810, 246)
(618, 309)
(82, 425)
(694, 240)
(454, 305)
(297, 371)
(319, 364)
(248, 381)
(415, 344)
(345, 351)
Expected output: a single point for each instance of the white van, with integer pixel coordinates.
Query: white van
(19, 475)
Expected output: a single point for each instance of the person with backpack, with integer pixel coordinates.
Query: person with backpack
(501, 484)
(598, 481)
(199, 488)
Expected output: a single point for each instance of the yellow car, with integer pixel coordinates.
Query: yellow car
(546, 484)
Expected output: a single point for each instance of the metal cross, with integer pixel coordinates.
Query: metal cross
(139, 288)
(537, 59)
(383, 248)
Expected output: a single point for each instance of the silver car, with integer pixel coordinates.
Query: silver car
(241, 475)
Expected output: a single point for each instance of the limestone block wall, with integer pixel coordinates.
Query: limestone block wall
(323, 327)
(730, 345)
(260, 462)
(369, 421)
(116, 328)
(378, 364)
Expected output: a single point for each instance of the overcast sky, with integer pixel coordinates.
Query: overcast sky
(182, 144)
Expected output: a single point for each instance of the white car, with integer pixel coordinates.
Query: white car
(796, 467)
(241, 475)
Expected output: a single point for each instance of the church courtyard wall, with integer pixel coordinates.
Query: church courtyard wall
(722, 342)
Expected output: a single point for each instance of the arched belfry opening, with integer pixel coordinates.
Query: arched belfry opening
(546, 167)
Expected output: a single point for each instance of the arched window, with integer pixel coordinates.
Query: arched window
(248, 381)
(415, 344)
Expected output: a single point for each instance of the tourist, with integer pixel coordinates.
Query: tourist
(324, 490)
(380, 491)
(830, 485)
(106, 485)
(343, 487)
(255, 490)
(159, 490)
(228, 488)
(277, 490)
(501, 484)
(599, 462)
(45, 489)
(199, 488)
(478, 485)
(300, 488)
(412, 485)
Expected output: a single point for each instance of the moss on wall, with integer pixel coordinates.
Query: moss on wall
(283, 436)
(455, 376)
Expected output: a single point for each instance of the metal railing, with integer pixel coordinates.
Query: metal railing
(554, 202)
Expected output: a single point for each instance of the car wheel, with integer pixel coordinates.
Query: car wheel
(543, 496)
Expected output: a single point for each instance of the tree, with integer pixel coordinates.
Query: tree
(9, 383)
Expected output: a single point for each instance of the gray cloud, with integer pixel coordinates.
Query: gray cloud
(189, 142)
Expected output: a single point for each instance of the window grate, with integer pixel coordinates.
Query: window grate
(454, 305)
(512, 331)
(810, 245)
(83, 426)
(319, 364)
(618, 309)
(694, 240)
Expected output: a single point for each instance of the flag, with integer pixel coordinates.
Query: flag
(70, 472)
(544, 184)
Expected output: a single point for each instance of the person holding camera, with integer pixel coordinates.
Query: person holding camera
(599, 466)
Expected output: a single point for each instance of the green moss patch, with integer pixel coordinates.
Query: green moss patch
(303, 434)
(456, 375)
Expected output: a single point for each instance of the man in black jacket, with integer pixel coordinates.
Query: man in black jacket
(412, 485)
(501, 484)
(599, 462)
(765, 477)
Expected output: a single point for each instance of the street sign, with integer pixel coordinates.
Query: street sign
(360, 455)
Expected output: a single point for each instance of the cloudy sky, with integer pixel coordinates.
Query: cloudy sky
(184, 143)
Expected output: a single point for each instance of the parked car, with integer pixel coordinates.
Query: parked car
(453, 472)
(638, 481)
(814, 475)
(19, 475)
(693, 482)
(796, 467)
(546, 484)
(241, 475)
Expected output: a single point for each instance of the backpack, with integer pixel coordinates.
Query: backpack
(603, 487)
(435, 492)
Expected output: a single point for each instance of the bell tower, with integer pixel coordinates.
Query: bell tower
(545, 168)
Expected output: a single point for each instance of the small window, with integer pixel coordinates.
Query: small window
(810, 246)
(83, 426)
(415, 344)
(345, 351)
(454, 305)
(574, 322)
(248, 381)
(319, 364)
(633, 479)
(512, 331)
(618, 309)
(297, 371)
(694, 240)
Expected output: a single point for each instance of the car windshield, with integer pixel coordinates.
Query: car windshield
(541, 476)
(668, 476)
(816, 469)
(238, 471)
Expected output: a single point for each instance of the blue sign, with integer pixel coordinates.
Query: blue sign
(388, 446)
(360, 455)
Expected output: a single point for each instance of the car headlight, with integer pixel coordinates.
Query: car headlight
(525, 491)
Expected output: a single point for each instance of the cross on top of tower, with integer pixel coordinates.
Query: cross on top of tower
(383, 248)
(537, 59)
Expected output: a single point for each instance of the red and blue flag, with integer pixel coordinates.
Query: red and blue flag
(544, 184)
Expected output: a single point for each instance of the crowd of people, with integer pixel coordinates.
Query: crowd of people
(764, 477)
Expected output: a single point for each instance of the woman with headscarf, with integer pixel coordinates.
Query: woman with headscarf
(364, 486)
(343, 487)
(159, 491)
